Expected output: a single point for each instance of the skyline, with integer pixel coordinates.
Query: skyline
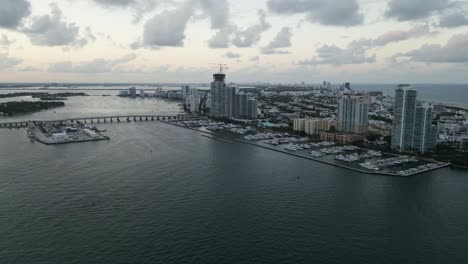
(276, 41)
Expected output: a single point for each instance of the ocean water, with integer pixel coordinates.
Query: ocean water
(454, 94)
(157, 193)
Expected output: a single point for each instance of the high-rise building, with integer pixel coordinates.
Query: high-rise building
(299, 124)
(226, 101)
(252, 106)
(217, 94)
(353, 114)
(132, 92)
(312, 126)
(230, 101)
(242, 105)
(423, 129)
(412, 125)
(404, 117)
(186, 89)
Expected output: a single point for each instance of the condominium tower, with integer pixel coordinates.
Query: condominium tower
(412, 123)
(353, 114)
(226, 101)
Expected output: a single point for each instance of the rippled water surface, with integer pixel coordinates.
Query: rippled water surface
(157, 193)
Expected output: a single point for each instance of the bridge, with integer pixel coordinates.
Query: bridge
(102, 119)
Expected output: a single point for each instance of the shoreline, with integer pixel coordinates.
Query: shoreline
(339, 165)
(317, 160)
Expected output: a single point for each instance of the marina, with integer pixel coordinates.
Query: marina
(54, 133)
(344, 156)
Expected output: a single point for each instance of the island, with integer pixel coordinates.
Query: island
(42, 95)
(22, 107)
(53, 133)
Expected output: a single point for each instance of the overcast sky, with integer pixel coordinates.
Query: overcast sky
(287, 41)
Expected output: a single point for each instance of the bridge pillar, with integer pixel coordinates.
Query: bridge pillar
(128, 119)
(118, 120)
(141, 118)
(146, 118)
(152, 118)
(98, 120)
(105, 120)
(134, 118)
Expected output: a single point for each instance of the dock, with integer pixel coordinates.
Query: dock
(342, 166)
(219, 139)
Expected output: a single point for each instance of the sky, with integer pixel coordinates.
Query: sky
(273, 41)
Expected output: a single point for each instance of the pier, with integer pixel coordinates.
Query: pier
(102, 119)
(343, 166)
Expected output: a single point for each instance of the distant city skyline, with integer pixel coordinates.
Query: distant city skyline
(275, 41)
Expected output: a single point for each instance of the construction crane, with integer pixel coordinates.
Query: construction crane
(222, 68)
(203, 108)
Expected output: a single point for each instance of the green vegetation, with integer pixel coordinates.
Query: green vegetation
(11, 108)
(450, 154)
(41, 95)
(381, 118)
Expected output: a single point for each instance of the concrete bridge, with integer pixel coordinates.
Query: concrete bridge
(102, 119)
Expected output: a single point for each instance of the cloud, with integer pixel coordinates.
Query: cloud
(454, 51)
(51, 30)
(404, 10)
(167, 28)
(99, 65)
(139, 7)
(116, 2)
(281, 40)
(254, 58)
(5, 41)
(453, 20)
(325, 12)
(222, 38)
(334, 55)
(232, 55)
(218, 11)
(251, 35)
(7, 62)
(394, 36)
(12, 12)
(29, 69)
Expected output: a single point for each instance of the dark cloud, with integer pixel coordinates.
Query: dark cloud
(395, 36)
(251, 35)
(12, 12)
(453, 20)
(232, 55)
(7, 62)
(218, 11)
(52, 30)
(167, 28)
(334, 55)
(454, 51)
(116, 2)
(222, 38)
(281, 40)
(325, 12)
(404, 10)
(95, 66)
(139, 7)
